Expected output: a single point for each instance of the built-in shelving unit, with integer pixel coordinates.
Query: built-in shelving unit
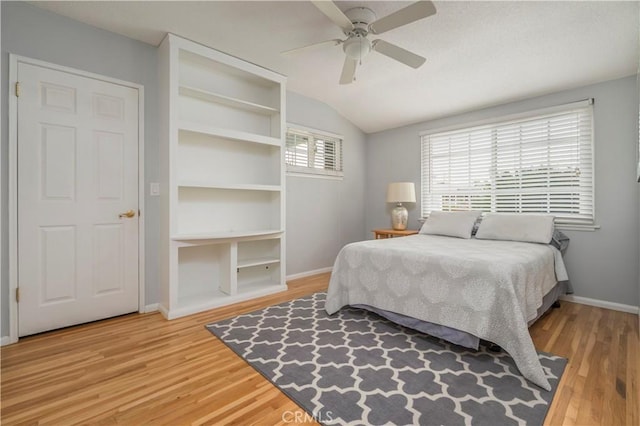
(222, 178)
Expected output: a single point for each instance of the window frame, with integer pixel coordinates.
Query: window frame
(314, 135)
(520, 118)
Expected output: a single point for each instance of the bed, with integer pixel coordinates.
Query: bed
(484, 288)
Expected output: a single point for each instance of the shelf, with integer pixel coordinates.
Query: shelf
(228, 134)
(201, 61)
(247, 263)
(220, 211)
(204, 160)
(226, 100)
(238, 186)
(224, 235)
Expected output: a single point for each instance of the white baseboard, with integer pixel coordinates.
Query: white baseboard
(153, 307)
(309, 273)
(164, 311)
(601, 304)
(6, 340)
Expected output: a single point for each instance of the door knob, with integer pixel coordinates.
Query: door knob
(128, 214)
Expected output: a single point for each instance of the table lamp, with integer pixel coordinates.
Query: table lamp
(400, 192)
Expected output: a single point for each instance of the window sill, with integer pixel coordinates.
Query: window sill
(569, 227)
(315, 175)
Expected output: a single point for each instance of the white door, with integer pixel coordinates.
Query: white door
(77, 176)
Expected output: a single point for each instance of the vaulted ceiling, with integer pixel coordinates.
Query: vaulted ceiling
(478, 53)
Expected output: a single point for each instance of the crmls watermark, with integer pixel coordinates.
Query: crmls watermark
(300, 416)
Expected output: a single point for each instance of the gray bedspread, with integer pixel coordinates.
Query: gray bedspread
(490, 289)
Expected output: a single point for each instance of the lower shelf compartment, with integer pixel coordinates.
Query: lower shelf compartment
(203, 302)
(258, 261)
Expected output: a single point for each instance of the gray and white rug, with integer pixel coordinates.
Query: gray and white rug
(357, 368)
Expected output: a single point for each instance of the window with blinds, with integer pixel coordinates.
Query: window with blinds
(312, 152)
(537, 164)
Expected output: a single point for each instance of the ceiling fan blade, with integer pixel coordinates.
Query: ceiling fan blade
(398, 53)
(334, 13)
(348, 70)
(409, 14)
(334, 42)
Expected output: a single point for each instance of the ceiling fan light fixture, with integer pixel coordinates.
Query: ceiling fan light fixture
(356, 47)
(358, 22)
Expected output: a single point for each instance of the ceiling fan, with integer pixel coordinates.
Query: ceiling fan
(357, 23)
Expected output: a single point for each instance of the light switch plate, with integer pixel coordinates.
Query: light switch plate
(154, 189)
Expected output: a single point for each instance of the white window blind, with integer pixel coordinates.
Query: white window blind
(313, 153)
(537, 164)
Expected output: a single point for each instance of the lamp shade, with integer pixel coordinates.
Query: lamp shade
(401, 192)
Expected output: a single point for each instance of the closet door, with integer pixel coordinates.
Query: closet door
(77, 199)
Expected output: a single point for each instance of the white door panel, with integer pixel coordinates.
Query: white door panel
(58, 264)
(77, 172)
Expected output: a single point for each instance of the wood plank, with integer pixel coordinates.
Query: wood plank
(142, 369)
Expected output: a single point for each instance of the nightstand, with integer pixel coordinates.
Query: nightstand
(390, 233)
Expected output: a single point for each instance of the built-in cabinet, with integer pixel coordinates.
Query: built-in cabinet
(222, 178)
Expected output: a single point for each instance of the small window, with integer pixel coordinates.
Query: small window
(313, 153)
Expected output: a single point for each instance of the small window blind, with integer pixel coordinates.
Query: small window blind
(313, 153)
(536, 164)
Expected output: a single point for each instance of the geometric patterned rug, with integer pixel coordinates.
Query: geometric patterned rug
(355, 367)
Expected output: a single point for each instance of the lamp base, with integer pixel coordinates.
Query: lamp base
(399, 217)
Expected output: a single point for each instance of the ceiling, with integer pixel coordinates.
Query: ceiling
(478, 54)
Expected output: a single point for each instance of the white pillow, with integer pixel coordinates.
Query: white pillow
(530, 228)
(450, 224)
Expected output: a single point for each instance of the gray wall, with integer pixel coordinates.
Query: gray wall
(38, 34)
(322, 214)
(602, 264)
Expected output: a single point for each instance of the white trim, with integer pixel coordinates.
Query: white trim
(311, 131)
(601, 304)
(163, 311)
(576, 227)
(2, 236)
(13, 179)
(153, 307)
(309, 273)
(315, 175)
(13, 199)
(141, 206)
(507, 118)
(7, 340)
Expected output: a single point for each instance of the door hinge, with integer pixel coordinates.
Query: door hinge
(18, 294)
(18, 89)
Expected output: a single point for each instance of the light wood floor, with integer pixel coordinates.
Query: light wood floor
(142, 369)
